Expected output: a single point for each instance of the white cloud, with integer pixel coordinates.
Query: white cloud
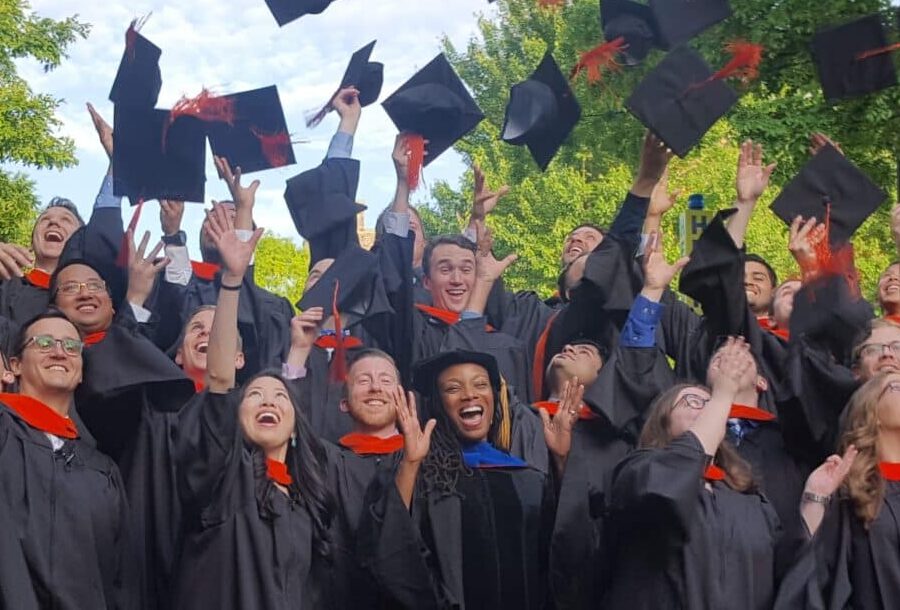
(236, 45)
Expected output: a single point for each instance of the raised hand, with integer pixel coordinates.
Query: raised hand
(488, 268)
(416, 441)
(732, 368)
(236, 254)
(142, 271)
(752, 176)
(658, 273)
(104, 131)
(661, 201)
(13, 259)
(655, 157)
(804, 236)
(484, 200)
(818, 141)
(558, 429)
(828, 477)
(243, 197)
(170, 214)
(346, 103)
(305, 328)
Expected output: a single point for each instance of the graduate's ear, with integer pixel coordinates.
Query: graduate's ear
(761, 384)
(239, 361)
(179, 359)
(345, 406)
(426, 283)
(15, 366)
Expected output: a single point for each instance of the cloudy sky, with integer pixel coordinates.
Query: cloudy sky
(236, 45)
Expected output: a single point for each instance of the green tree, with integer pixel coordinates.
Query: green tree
(281, 266)
(28, 122)
(594, 169)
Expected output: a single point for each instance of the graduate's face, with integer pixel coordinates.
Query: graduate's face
(316, 273)
(889, 404)
(451, 276)
(91, 311)
(889, 290)
(582, 361)
(52, 371)
(191, 354)
(580, 241)
(783, 304)
(468, 400)
(267, 414)
(686, 409)
(51, 232)
(876, 354)
(758, 286)
(371, 383)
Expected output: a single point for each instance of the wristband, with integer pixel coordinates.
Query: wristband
(179, 239)
(809, 496)
(232, 288)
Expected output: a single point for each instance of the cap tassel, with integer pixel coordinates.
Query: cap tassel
(338, 370)
(206, 107)
(875, 52)
(599, 59)
(275, 147)
(551, 3)
(744, 64)
(313, 119)
(834, 263)
(131, 34)
(504, 434)
(416, 145)
(122, 260)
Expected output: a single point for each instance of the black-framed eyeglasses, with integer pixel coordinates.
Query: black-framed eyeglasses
(46, 343)
(877, 349)
(73, 288)
(692, 401)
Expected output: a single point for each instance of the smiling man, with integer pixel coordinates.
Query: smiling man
(889, 292)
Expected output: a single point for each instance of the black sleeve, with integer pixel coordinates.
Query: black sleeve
(629, 221)
(99, 242)
(393, 332)
(166, 305)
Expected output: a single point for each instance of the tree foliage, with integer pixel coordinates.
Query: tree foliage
(281, 266)
(594, 169)
(28, 123)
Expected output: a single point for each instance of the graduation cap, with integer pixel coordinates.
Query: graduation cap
(634, 22)
(433, 105)
(541, 113)
(144, 167)
(426, 372)
(286, 11)
(322, 203)
(854, 59)
(367, 76)
(138, 79)
(257, 136)
(678, 102)
(678, 21)
(830, 184)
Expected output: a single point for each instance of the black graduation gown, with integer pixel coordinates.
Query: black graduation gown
(680, 545)
(246, 544)
(16, 592)
(484, 547)
(847, 566)
(619, 398)
(70, 515)
(129, 399)
(20, 300)
(320, 398)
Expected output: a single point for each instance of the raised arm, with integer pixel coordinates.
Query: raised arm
(751, 182)
(416, 443)
(731, 369)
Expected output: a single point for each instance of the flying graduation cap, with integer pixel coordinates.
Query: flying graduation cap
(854, 59)
(256, 137)
(830, 185)
(679, 21)
(286, 11)
(635, 23)
(367, 76)
(541, 113)
(433, 105)
(138, 79)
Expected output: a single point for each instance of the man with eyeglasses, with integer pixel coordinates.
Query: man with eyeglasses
(63, 499)
(878, 350)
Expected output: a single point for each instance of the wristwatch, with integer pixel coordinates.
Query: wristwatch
(179, 239)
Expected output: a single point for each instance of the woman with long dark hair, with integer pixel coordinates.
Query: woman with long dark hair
(252, 476)
(474, 519)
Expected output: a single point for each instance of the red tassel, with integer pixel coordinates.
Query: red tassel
(744, 64)
(876, 52)
(206, 107)
(835, 263)
(416, 145)
(122, 260)
(338, 369)
(275, 147)
(599, 59)
(551, 3)
(131, 34)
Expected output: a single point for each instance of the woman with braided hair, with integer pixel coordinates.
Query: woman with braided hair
(477, 518)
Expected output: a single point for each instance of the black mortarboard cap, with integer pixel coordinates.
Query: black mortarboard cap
(286, 11)
(679, 21)
(632, 21)
(541, 113)
(426, 372)
(322, 203)
(258, 138)
(361, 293)
(676, 102)
(147, 167)
(434, 104)
(843, 72)
(138, 80)
(828, 177)
(367, 76)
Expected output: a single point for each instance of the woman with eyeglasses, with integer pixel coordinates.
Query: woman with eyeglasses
(63, 499)
(691, 529)
(252, 477)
